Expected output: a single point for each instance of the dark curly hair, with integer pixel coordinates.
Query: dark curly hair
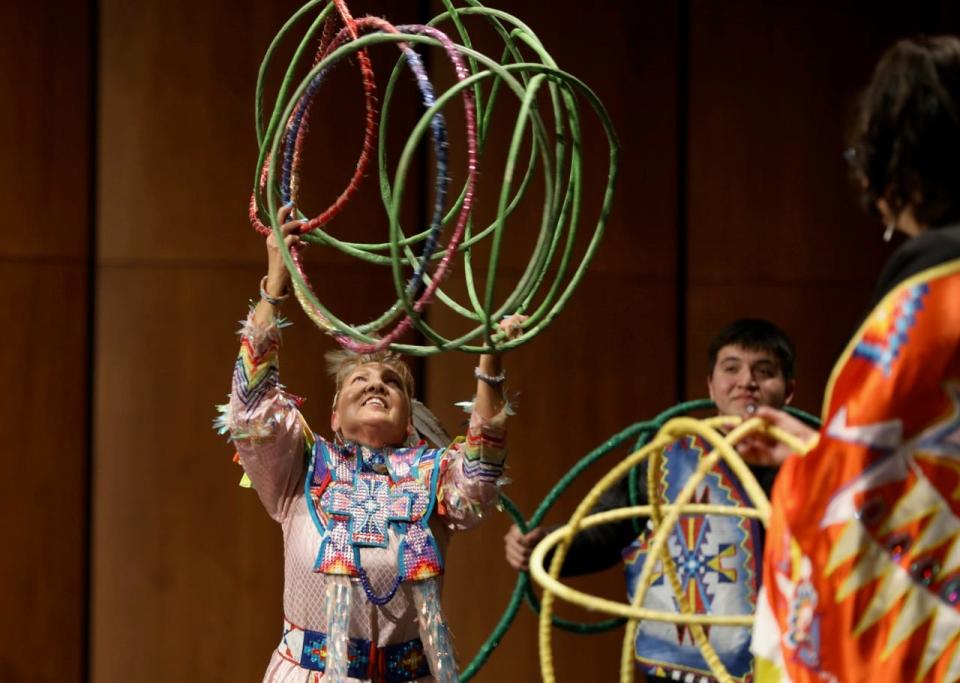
(906, 143)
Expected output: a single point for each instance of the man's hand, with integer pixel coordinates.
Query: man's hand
(517, 546)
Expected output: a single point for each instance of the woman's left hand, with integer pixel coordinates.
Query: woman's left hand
(512, 325)
(490, 376)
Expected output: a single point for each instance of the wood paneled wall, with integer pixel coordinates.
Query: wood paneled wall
(733, 200)
(775, 228)
(46, 117)
(187, 573)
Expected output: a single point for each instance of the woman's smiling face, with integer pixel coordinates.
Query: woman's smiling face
(373, 407)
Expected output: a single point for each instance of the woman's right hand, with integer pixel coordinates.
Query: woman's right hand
(277, 275)
(760, 449)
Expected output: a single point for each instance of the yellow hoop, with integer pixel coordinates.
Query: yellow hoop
(722, 447)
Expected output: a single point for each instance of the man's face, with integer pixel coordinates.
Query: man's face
(744, 377)
(372, 408)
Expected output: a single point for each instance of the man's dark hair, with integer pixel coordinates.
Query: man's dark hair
(757, 335)
(906, 141)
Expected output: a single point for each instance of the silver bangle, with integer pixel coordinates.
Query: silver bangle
(272, 300)
(488, 379)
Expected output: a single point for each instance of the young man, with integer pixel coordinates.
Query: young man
(718, 557)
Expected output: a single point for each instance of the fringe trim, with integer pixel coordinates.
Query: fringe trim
(259, 334)
(434, 633)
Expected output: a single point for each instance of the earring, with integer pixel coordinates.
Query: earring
(888, 233)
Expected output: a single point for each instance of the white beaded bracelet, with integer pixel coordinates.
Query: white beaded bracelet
(488, 379)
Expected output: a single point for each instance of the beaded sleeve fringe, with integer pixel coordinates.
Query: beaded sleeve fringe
(473, 472)
(257, 399)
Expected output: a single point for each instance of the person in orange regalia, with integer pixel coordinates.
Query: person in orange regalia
(861, 573)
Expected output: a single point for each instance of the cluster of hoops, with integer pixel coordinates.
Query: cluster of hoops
(479, 79)
(636, 437)
(664, 518)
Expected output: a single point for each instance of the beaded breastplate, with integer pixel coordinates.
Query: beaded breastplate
(718, 564)
(358, 497)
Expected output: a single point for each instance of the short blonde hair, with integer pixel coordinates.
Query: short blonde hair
(342, 362)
